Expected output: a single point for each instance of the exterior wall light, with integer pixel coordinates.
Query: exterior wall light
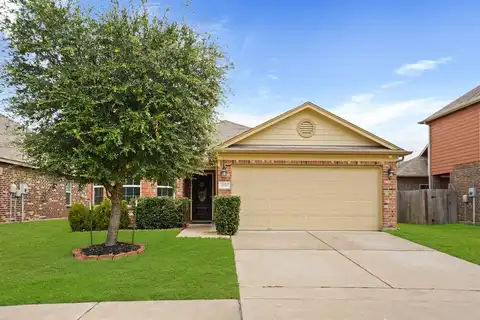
(223, 172)
(390, 173)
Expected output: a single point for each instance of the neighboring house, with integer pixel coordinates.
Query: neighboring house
(304, 169)
(46, 197)
(413, 174)
(454, 134)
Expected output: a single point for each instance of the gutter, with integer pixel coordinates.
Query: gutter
(459, 107)
(325, 151)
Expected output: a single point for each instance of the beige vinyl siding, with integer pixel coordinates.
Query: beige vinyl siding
(308, 198)
(327, 133)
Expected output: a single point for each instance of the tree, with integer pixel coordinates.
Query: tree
(112, 95)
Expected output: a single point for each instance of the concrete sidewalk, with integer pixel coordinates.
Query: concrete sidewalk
(144, 310)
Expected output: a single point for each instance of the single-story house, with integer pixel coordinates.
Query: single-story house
(304, 169)
(413, 174)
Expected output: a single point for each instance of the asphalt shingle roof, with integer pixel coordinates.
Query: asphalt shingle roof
(227, 129)
(464, 101)
(416, 167)
(9, 152)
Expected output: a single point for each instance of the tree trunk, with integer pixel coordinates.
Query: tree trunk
(114, 223)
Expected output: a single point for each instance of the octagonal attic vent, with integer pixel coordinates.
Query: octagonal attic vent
(306, 128)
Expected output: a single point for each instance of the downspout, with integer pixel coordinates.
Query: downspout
(429, 169)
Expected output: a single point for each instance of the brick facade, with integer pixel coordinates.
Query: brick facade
(148, 188)
(389, 184)
(411, 183)
(461, 178)
(45, 198)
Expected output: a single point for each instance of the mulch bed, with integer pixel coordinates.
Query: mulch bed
(99, 249)
(102, 252)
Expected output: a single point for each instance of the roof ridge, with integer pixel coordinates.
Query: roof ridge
(235, 123)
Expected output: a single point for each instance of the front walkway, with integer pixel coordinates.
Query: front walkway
(350, 275)
(141, 310)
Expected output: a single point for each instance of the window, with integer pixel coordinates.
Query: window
(423, 186)
(98, 195)
(164, 189)
(68, 193)
(131, 189)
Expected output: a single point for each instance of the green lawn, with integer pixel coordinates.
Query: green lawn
(459, 240)
(36, 266)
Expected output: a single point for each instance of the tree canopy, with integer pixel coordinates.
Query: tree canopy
(111, 95)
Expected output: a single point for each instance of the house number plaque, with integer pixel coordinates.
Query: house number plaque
(224, 185)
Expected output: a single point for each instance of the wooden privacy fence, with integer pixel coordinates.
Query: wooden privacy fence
(436, 206)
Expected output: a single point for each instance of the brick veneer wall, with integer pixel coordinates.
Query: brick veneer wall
(148, 188)
(410, 183)
(45, 198)
(461, 178)
(389, 185)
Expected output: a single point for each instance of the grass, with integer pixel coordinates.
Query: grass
(459, 240)
(36, 266)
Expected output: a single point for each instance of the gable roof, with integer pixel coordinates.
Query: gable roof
(9, 152)
(323, 112)
(226, 130)
(469, 98)
(416, 167)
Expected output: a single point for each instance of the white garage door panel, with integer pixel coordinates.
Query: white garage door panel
(321, 198)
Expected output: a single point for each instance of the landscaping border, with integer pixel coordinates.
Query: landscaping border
(77, 254)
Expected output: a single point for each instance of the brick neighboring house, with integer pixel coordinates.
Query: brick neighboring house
(413, 174)
(46, 197)
(454, 134)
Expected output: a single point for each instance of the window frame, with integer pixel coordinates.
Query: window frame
(139, 186)
(68, 191)
(167, 185)
(103, 193)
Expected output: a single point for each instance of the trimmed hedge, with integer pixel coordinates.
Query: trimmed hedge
(162, 212)
(227, 214)
(79, 216)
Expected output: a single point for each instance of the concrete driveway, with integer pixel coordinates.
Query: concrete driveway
(350, 275)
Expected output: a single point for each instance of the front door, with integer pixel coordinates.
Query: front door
(202, 198)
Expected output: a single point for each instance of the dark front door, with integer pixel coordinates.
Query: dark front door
(202, 198)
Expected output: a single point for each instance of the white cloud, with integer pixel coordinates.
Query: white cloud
(264, 93)
(415, 69)
(273, 76)
(396, 121)
(392, 84)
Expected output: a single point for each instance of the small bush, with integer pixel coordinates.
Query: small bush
(102, 212)
(78, 216)
(161, 212)
(101, 215)
(227, 214)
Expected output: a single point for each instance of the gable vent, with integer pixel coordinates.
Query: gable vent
(306, 128)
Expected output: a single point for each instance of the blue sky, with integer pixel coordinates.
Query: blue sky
(383, 65)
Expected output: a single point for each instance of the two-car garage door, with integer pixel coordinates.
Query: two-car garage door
(310, 198)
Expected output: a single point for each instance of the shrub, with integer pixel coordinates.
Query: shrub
(102, 212)
(101, 215)
(161, 212)
(78, 216)
(227, 214)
